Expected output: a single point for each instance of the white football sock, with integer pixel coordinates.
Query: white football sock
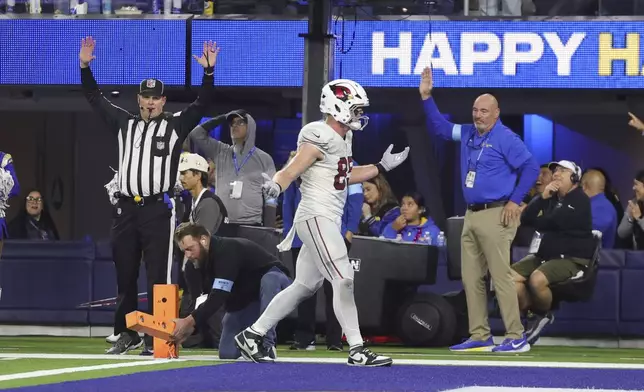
(345, 310)
(281, 306)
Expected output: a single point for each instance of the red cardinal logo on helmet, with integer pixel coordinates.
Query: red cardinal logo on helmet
(341, 92)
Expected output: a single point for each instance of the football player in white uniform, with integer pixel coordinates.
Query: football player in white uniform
(323, 161)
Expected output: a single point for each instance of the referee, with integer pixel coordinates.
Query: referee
(149, 150)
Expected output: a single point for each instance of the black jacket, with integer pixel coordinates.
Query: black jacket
(232, 274)
(565, 224)
(158, 141)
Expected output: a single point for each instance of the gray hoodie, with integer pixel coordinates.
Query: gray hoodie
(249, 209)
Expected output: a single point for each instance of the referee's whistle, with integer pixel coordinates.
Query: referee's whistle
(137, 199)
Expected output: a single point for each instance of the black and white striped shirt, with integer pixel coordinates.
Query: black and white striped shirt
(148, 151)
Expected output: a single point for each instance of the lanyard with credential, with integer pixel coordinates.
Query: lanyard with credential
(469, 157)
(238, 168)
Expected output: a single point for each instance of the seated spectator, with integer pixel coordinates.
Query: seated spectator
(604, 215)
(562, 246)
(632, 225)
(544, 178)
(525, 232)
(380, 207)
(412, 224)
(33, 222)
(611, 194)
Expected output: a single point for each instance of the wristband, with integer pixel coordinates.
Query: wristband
(380, 168)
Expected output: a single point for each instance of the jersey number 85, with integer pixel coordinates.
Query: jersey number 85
(344, 168)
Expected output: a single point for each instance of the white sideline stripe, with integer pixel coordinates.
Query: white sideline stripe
(432, 362)
(80, 356)
(55, 372)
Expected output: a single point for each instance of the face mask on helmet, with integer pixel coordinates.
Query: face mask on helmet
(358, 119)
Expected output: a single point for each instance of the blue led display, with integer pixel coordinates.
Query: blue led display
(253, 52)
(506, 54)
(45, 51)
(478, 54)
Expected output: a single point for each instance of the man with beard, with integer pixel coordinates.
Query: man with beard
(240, 275)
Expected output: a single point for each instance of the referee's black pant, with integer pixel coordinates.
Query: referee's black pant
(140, 232)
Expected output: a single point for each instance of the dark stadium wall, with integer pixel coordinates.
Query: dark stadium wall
(68, 156)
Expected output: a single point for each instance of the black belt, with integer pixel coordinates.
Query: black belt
(142, 200)
(485, 206)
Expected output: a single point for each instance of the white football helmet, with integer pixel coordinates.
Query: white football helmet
(344, 99)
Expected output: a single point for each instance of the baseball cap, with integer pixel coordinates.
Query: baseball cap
(193, 162)
(236, 114)
(151, 88)
(566, 164)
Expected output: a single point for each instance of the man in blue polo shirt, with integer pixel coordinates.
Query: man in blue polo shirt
(492, 158)
(604, 214)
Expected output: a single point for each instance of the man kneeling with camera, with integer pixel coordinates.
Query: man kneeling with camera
(561, 247)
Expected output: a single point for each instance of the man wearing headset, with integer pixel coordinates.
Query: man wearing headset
(561, 248)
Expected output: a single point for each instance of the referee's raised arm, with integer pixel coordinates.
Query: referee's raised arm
(111, 114)
(190, 117)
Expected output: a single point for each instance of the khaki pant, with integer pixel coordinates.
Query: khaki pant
(485, 245)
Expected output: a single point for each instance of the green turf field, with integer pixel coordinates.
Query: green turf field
(84, 358)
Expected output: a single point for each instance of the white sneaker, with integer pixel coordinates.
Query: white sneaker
(251, 346)
(362, 356)
(112, 338)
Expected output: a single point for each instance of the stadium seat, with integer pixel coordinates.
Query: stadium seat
(579, 288)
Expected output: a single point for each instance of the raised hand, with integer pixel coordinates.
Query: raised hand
(86, 54)
(550, 190)
(635, 210)
(390, 161)
(426, 83)
(209, 55)
(636, 122)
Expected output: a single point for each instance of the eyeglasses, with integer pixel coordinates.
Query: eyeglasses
(34, 199)
(237, 123)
